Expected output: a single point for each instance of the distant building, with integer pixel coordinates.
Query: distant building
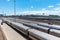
(1, 15)
(54, 16)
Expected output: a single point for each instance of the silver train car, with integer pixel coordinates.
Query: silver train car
(50, 30)
(32, 33)
(55, 32)
(35, 26)
(18, 26)
(49, 26)
(41, 35)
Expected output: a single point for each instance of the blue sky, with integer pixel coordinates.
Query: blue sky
(30, 7)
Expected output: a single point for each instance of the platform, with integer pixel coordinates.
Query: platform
(9, 33)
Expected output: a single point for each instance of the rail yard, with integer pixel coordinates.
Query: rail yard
(19, 29)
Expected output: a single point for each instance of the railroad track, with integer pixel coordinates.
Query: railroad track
(56, 22)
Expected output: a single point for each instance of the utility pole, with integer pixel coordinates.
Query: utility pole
(43, 14)
(15, 9)
(5, 14)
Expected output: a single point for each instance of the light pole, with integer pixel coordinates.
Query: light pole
(15, 9)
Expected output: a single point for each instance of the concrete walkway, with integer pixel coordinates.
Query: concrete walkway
(9, 33)
(1, 33)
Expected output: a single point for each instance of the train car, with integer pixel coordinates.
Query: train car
(49, 26)
(55, 32)
(41, 35)
(41, 28)
(31, 33)
(20, 27)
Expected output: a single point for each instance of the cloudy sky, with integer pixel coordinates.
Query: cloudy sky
(28, 7)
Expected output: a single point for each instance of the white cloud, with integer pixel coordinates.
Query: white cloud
(54, 11)
(58, 4)
(43, 9)
(8, 0)
(50, 6)
(57, 9)
(31, 7)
